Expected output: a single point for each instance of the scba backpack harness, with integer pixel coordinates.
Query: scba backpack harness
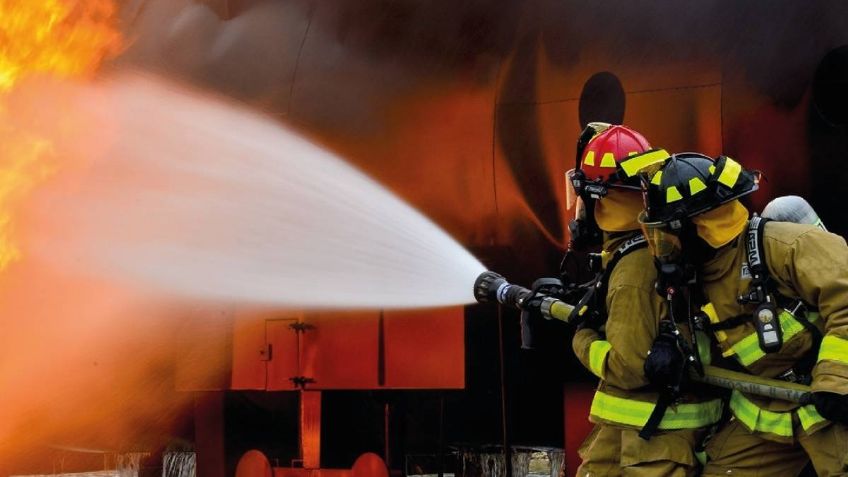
(768, 301)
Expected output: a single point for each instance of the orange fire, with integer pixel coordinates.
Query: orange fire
(68, 38)
(61, 38)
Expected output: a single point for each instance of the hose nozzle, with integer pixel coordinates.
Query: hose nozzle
(491, 286)
(486, 286)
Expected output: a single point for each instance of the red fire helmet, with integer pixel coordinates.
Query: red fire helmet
(608, 148)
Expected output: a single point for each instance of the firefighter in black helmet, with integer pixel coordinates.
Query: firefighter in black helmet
(775, 300)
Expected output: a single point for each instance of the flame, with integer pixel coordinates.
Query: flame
(59, 38)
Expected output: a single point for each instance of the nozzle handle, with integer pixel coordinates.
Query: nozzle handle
(554, 309)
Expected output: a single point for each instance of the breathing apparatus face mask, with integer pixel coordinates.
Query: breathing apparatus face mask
(663, 240)
(583, 229)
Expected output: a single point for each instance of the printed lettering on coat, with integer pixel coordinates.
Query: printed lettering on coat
(746, 272)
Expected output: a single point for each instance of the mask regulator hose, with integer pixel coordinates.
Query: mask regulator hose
(492, 287)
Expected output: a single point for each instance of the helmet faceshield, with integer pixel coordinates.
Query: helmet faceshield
(662, 240)
(570, 192)
(580, 210)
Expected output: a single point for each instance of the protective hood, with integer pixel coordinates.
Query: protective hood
(720, 226)
(619, 211)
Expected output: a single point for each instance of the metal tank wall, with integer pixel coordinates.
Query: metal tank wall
(470, 111)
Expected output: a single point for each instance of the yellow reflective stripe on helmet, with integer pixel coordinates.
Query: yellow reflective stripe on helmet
(590, 158)
(809, 417)
(748, 348)
(657, 178)
(672, 195)
(632, 165)
(760, 420)
(730, 173)
(598, 352)
(636, 413)
(834, 348)
(696, 185)
(608, 160)
(712, 169)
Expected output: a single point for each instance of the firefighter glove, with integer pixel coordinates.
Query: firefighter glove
(832, 406)
(665, 361)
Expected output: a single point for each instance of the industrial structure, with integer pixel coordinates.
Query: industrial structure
(470, 112)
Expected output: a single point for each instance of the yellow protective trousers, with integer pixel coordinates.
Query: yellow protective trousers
(736, 451)
(617, 451)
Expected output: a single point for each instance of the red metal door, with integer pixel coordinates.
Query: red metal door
(283, 363)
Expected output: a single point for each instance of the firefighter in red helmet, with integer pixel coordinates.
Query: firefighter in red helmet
(614, 342)
(596, 175)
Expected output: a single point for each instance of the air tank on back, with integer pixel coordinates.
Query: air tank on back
(792, 208)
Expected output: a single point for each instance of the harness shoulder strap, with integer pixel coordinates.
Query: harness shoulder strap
(629, 246)
(595, 297)
(754, 243)
(760, 276)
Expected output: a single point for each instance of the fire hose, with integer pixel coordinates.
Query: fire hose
(746, 383)
(492, 287)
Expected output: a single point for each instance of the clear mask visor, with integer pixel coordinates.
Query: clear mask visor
(664, 243)
(570, 193)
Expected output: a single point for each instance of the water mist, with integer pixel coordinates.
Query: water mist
(203, 198)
